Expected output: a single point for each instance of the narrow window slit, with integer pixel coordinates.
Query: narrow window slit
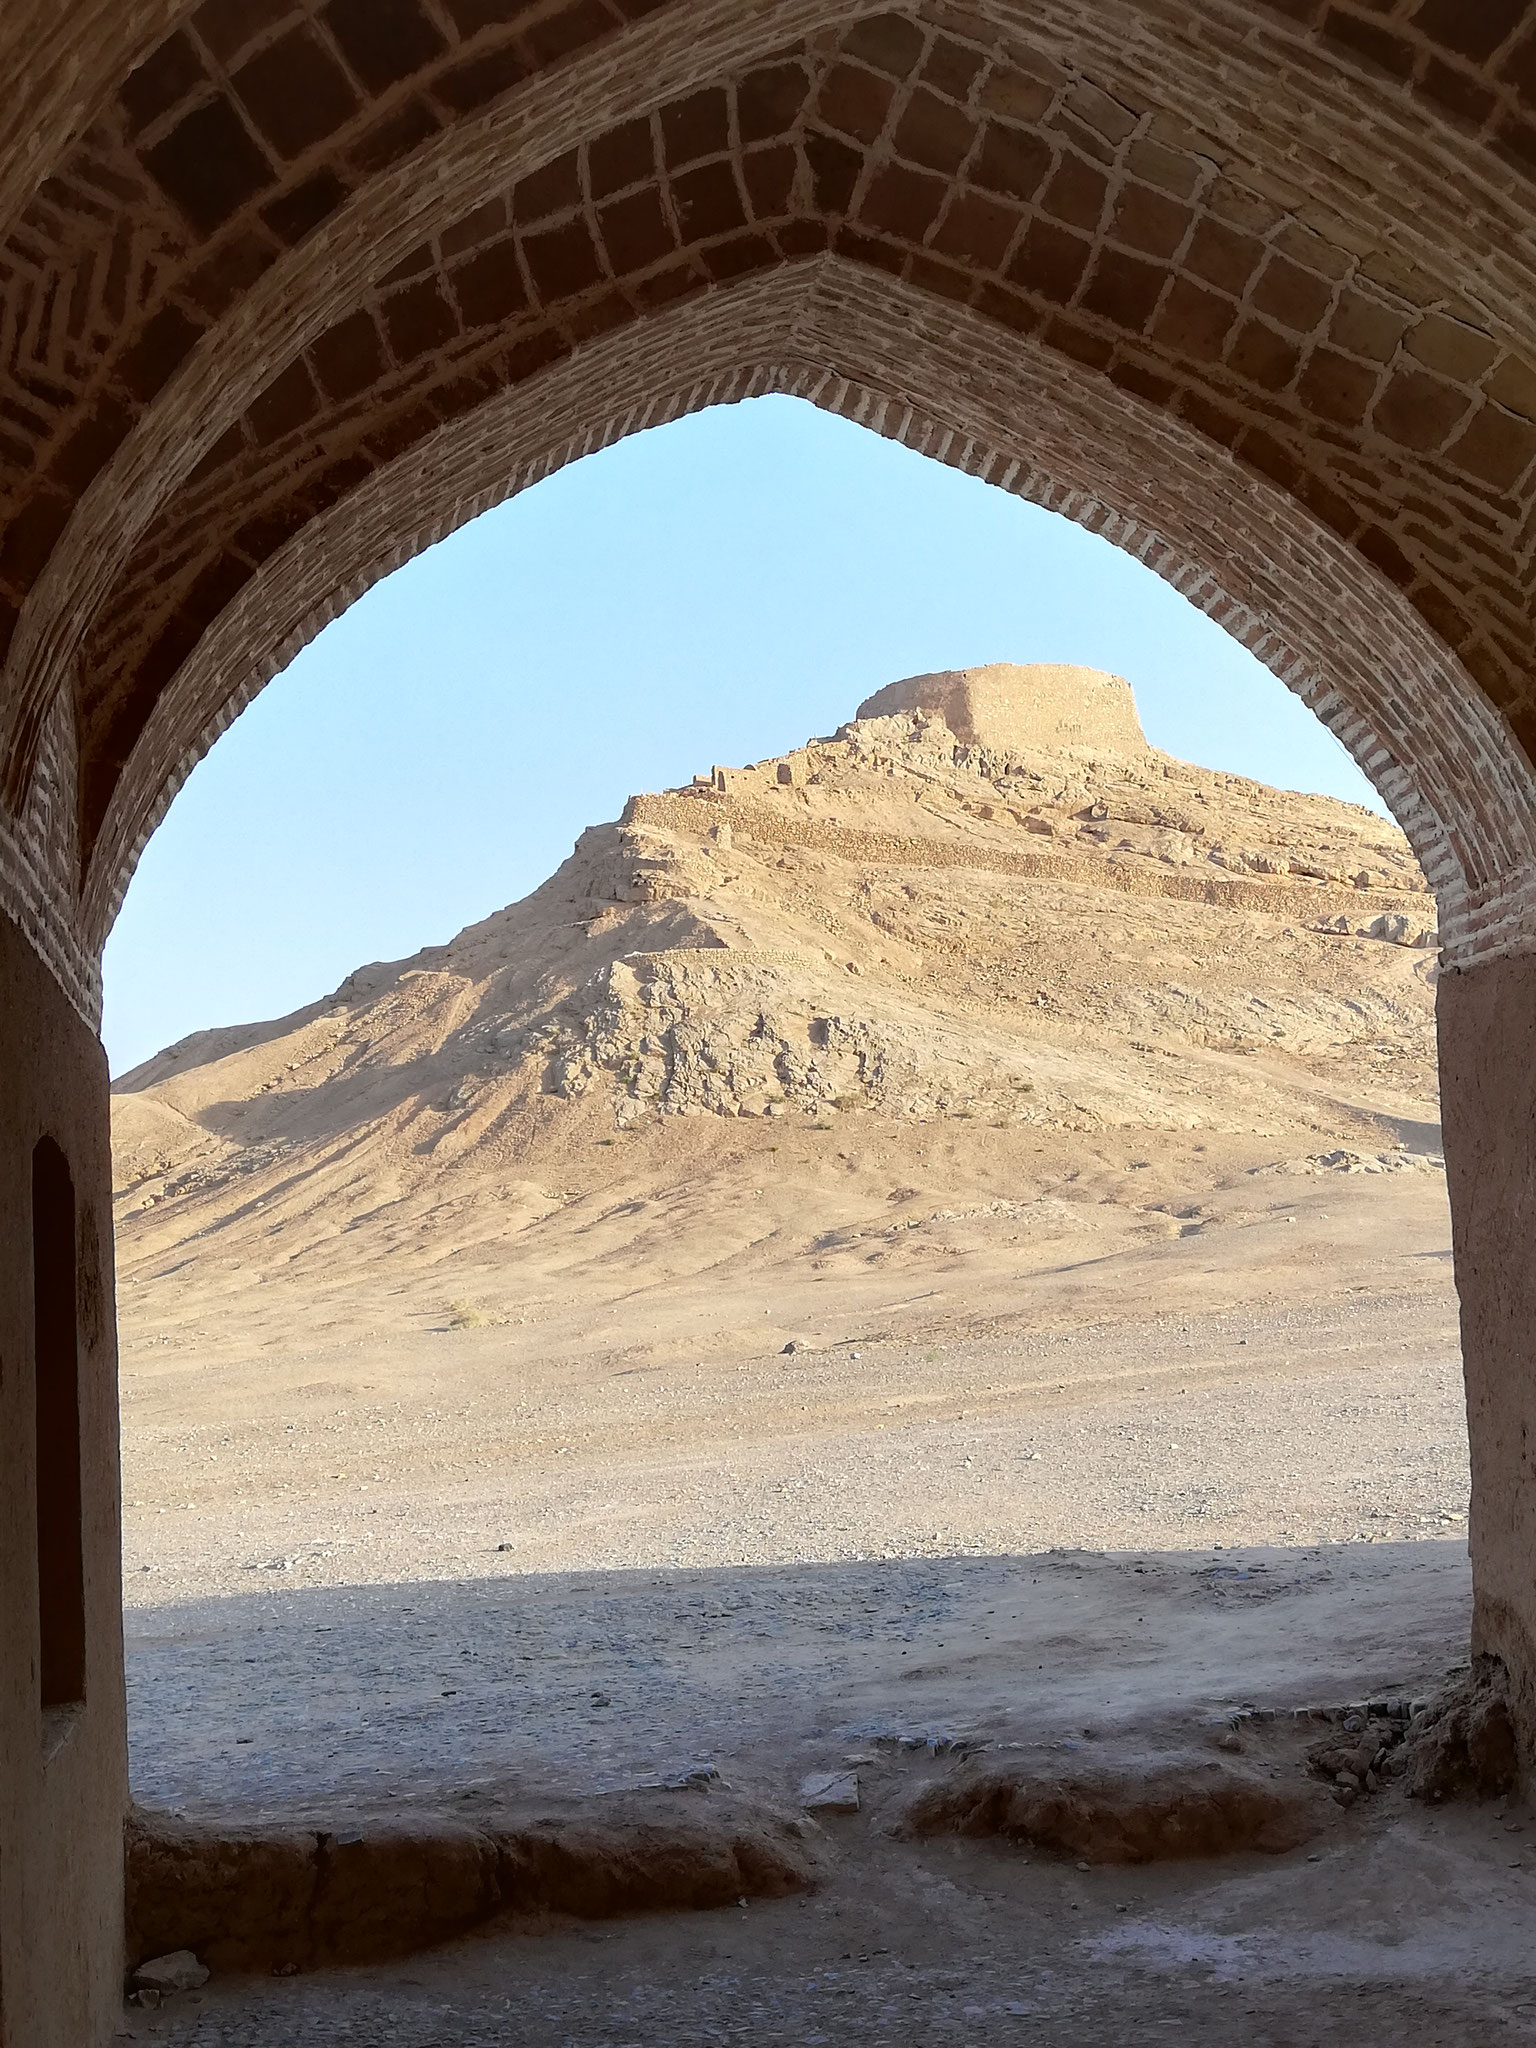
(56, 1363)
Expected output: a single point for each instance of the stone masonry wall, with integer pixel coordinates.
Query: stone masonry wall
(1004, 703)
(768, 826)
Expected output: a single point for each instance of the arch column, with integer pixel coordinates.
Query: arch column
(63, 1747)
(1486, 1018)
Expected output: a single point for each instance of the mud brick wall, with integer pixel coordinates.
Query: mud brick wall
(288, 288)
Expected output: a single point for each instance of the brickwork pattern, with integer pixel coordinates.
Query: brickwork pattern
(264, 267)
(213, 231)
(38, 867)
(62, 65)
(1396, 422)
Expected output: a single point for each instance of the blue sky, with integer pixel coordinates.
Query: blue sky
(716, 590)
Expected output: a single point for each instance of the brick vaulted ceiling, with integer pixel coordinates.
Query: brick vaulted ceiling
(289, 289)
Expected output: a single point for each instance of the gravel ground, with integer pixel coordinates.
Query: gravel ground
(516, 1689)
(1324, 1421)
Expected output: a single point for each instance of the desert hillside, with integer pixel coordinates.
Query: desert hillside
(1006, 1074)
(984, 909)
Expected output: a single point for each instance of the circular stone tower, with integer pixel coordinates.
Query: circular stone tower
(1033, 706)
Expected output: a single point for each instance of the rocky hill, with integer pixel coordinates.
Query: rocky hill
(984, 904)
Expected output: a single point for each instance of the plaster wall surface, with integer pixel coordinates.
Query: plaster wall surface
(63, 1772)
(1487, 1024)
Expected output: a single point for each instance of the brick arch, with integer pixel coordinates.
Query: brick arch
(245, 364)
(877, 351)
(207, 122)
(65, 66)
(1058, 212)
(1181, 200)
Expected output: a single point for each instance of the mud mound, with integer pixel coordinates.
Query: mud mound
(273, 1897)
(1462, 1743)
(1177, 1808)
(1458, 1744)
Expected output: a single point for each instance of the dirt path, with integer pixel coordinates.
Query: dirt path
(492, 1691)
(1396, 1921)
(1414, 1930)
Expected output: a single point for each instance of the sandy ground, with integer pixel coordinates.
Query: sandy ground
(493, 1693)
(952, 1516)
(1297, 1381)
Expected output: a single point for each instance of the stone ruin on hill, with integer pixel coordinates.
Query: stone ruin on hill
(1029, 706)
(986, 896)
(943, 786)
